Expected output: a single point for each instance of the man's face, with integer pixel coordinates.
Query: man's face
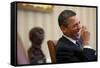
(73, 27)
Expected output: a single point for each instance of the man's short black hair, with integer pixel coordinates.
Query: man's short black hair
(64, 15)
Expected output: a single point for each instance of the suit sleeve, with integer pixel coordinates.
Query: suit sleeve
(89, 54)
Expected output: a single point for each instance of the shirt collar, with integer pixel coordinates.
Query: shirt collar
(72, 40)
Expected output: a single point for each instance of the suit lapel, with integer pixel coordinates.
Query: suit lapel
(70, 43)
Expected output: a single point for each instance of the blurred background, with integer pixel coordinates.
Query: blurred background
(46, 16)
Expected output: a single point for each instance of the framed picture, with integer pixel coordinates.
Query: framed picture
(47, 33)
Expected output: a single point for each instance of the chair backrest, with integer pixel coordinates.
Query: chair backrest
(51, 46)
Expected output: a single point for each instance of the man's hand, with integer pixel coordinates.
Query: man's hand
(85, 35)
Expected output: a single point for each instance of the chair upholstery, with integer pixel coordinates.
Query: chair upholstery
(51, 46)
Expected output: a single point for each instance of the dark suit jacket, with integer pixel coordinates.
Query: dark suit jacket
(67, 51)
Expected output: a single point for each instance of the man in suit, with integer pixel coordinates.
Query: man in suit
(73, 46)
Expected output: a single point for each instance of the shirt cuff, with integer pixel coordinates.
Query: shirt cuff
(87, 46)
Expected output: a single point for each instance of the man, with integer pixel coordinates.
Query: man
(73, 46)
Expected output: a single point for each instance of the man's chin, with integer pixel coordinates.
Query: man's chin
(77, 37)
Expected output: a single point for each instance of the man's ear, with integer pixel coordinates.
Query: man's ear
(63, 28)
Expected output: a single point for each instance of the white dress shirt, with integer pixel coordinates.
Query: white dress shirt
(72, 40)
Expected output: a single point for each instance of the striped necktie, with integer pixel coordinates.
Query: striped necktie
(79, 44)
